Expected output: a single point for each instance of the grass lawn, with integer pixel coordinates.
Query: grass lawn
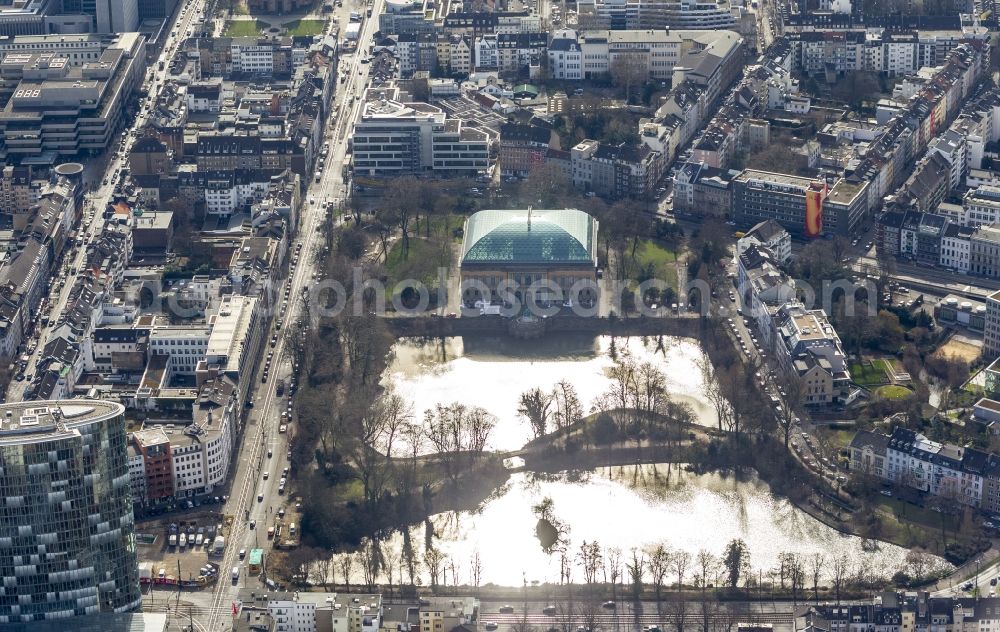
(869, 374)
(245, 28)
(305, 27)
(837, 440)
(917, 526)
(421, 263)
(446, 224)
(661, 258)
(893, 392)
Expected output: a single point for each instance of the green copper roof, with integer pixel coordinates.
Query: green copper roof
(546, 237)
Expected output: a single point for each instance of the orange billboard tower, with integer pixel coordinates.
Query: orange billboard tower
(814, 208)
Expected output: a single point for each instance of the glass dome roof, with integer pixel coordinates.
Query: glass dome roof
(529, 236)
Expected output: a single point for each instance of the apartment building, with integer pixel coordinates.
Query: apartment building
(520, 50)
(173, 460)
(889, 52)
(151, 466)
(982, 206)
(700, 190)
(956, 244)
(991, 334)
(523, 147)
(619, 171)
(807, 344)
(442, 614)
(984, 251)
(769, 235)
(312, 611)
(909, 459)
(763, 287)
(391, 137)
(182, 347)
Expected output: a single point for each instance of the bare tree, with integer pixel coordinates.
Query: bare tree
(680, 560)
(371, 561)
(797, 575)
(323, 567)
(477, 568)
(713, 391)
(434, 559)
(568, 409)
(705, 567)
(841, 571)
(628, 71)
(794, 394)
(816, 564)
(678, 612)
(534, 405)
(919, 562)
(613, 569)
(456, 431)
(635, 569)
(659, 565)
(346, 564)
(390, 559)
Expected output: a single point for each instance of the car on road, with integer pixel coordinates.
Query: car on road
(253, 524)
(610, 605)
(269, 453)
(266, 474)
(506, 609)
(243, 553)
(886, 492)
(549, 610)
(260, 498)
(491, 625)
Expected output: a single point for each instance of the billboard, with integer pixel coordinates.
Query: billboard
(814, 209)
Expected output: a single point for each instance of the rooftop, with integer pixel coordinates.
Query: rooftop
(566, 236)
(29, 422)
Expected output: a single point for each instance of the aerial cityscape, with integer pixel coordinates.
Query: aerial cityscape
(499, 315)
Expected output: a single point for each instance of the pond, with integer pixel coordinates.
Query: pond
(620, 507)
(637, 507)
(493, 372)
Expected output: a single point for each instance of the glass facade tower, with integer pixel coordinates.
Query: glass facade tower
(67, 533)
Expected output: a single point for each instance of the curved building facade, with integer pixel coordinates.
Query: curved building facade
(67, 533)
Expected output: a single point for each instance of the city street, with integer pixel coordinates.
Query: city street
(250, 494)
(99, 195)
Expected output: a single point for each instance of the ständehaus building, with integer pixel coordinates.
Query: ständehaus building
(67, 533)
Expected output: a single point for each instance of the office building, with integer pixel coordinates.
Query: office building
(66, 520)
(391, 138)
(61, 110)
(658, 14)
(794, 202)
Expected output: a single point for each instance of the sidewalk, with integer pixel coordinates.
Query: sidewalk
(988, 559)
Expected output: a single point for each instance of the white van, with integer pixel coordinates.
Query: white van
(236, 574)
(291, 529)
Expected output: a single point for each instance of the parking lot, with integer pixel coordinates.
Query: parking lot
(180, 546)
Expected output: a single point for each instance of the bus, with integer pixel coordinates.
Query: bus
(256, 561)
